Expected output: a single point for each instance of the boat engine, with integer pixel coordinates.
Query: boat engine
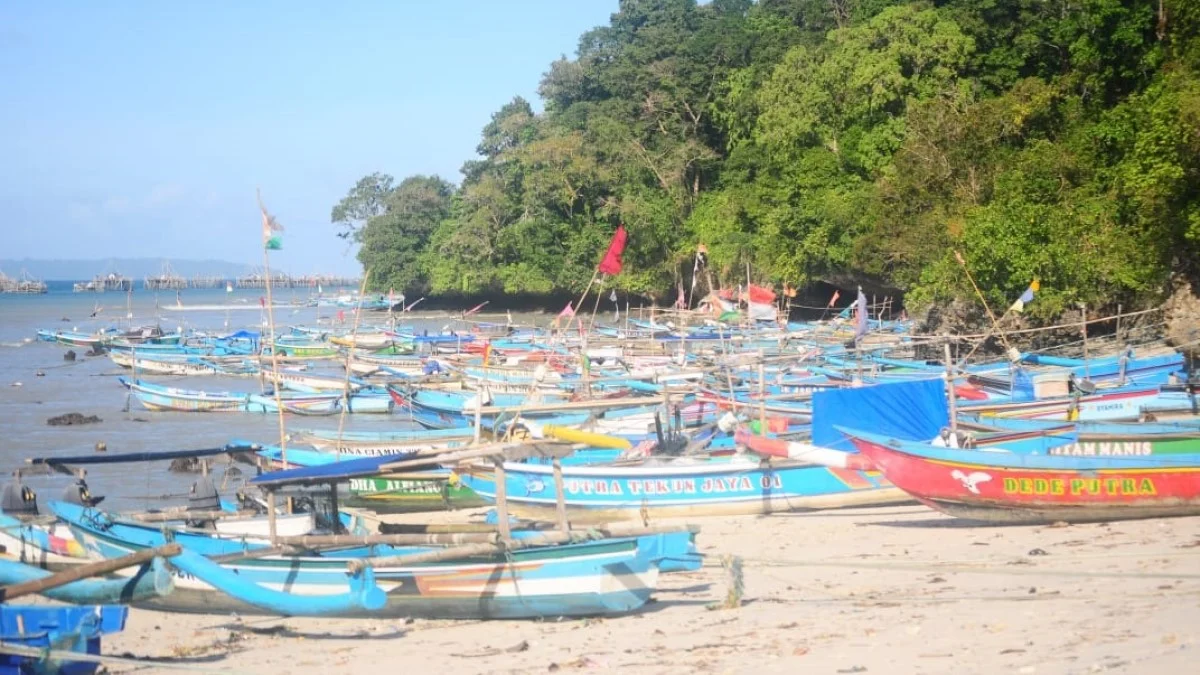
(18, 499)
(77, 493)
(204, 496)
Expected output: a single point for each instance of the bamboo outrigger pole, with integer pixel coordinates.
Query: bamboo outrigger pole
(86, 571)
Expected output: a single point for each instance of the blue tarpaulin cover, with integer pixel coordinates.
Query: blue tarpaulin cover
(328, 473)
(910, 411)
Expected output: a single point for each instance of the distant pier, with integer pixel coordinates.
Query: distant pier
(207, 281)
(281, 280)
(21, 285)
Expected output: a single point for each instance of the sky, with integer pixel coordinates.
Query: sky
(143, 128)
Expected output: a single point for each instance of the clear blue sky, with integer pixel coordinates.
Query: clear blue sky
(141, 128)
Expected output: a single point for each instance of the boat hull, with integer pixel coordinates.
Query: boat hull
(600, 493)
(595, 578)
(1038, 494)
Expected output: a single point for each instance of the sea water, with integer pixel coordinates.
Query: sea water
(36, 383)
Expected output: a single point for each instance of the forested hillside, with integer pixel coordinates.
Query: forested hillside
(838, 140)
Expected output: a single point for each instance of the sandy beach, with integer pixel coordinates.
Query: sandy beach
(883, 590)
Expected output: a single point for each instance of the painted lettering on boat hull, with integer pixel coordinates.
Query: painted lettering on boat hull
(1081, 487)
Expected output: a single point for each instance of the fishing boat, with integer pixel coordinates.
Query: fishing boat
(159, 397)
(1001, 487)
(1121, 403)
(1092, 439)
(683, 487)
(582, 576)
(302, 347)
(364, 340)
(380, 443)
(40, 542)
(73, 338)
(162, 398)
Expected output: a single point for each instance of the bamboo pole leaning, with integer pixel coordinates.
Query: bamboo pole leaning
(87, 571)
(503, 546)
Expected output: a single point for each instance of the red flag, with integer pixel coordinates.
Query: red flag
(611, 265)
(567, 311)
(836, 294)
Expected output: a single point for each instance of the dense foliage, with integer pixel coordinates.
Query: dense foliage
(830, 139)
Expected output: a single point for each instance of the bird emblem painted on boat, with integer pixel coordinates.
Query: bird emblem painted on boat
(971, 480)
(533, 485)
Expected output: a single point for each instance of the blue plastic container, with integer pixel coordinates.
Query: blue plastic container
(75, 629)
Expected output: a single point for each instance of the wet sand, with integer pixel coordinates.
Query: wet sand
(884, 590)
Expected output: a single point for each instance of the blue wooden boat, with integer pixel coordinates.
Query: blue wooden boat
(151, 580)
(605, 576)
(44, 545)
(163, 398)
(665, 487)
(1118, 403)
(158, 397)
(378, 443)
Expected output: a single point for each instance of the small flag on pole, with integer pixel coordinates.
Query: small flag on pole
(836, 294)
(1026, 297)
(567, 311)
(270, 226)
(487, 352)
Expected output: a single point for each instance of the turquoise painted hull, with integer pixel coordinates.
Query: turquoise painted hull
(608, 576)
(671, 489)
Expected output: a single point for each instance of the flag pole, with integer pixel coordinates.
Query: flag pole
(271, 334)
(337, 448)
(995, 322)
(275, 360)
(595, 308)
(575, 310)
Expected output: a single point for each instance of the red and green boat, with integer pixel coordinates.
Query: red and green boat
(1002, 487)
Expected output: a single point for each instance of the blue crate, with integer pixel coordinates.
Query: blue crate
(76, 629)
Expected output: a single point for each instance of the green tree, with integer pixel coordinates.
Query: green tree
(394, 239)
(368, 198)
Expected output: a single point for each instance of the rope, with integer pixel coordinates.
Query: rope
(1023, 331)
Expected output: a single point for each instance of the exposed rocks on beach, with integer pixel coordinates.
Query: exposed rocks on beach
(71, 419)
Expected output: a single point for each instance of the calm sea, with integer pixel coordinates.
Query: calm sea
(36, 384)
